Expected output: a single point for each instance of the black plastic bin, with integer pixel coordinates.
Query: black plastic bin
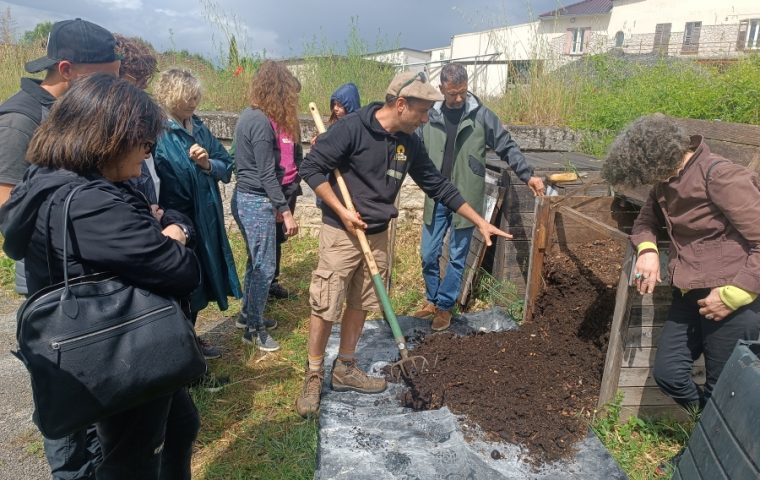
(725, 444)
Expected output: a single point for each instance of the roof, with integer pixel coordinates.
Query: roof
(586, 7)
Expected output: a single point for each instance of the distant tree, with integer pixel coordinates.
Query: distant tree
(38, 35)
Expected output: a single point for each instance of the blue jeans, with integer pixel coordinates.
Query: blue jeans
(443, 293)
(255, 218)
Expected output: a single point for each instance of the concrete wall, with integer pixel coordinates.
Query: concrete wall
(222, 125)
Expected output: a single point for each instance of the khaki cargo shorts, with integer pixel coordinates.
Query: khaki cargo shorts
(342, 275)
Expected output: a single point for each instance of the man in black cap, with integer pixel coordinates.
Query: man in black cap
(75, 48)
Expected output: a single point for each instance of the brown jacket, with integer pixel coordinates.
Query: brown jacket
(713, 223)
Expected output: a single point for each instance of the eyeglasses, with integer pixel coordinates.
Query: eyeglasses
(148, 146)
(420, 76)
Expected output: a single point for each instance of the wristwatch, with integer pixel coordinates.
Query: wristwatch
(185, 230)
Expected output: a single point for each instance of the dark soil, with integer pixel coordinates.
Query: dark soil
(537, 386)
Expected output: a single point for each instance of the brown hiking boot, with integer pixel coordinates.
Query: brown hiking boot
(428, 310)
(441, 320)
(346, 376)
(308, 402)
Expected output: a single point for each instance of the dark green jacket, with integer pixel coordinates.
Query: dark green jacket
(189, 190)
(479, 128)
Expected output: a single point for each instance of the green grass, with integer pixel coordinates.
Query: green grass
(640, 445)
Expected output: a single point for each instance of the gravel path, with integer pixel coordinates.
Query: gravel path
(21, 454)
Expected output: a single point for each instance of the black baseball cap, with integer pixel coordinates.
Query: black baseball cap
(77, 41)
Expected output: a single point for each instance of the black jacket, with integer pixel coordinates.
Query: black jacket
(110, 230)
(373, 163)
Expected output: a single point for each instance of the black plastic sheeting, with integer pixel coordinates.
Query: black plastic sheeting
(375, 437)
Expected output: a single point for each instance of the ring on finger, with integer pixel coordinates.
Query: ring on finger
(710, 316)
(638, 275)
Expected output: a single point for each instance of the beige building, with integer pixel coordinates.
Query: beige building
(499, 57)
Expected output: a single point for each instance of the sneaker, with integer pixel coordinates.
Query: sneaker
(278, 291)
(209, 351)
(269, 323)
(346, 376)
(441, 320)
(666, 468)
(261, 340)
(428, 310)
(210, 382)
(308, 402)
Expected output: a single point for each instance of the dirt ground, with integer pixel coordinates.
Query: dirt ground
(537, 386)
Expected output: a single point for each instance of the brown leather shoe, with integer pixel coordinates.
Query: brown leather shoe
(441, 320)
(428, 310)
(346, 376)
(308, 402)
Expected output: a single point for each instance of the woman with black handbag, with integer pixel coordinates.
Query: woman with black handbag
(73, 216)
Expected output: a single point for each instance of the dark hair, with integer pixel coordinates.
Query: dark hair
(98, 121)
(648, 151)
(453, 73)
(138, 60)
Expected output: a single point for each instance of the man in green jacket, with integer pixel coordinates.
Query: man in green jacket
(456, 137)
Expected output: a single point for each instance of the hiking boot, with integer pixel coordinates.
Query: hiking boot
(209, 351)
(441, 320)
(278, 291)
(241, 322)
(346, 376)
(308, 402)
(428, 310)
(261, 340)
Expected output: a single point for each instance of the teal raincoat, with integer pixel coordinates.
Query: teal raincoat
(187, 188)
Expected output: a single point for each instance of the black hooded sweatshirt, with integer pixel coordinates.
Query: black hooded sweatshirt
(373, 163)
(110, 230)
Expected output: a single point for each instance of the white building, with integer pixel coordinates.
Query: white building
(496, 58)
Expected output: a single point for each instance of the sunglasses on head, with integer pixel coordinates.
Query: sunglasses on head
(420, 76)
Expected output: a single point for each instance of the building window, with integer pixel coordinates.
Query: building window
(619, 39)
(691, 37)
(753, 34)
(661, 38)
(576, 40)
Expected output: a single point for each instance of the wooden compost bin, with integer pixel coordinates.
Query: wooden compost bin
(637, 320)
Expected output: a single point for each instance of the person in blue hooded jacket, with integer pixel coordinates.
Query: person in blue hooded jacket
(191, 162)
(343, 101)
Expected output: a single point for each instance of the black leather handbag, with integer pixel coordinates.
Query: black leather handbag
(95, 346)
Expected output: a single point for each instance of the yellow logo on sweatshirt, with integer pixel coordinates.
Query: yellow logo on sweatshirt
(400, 153)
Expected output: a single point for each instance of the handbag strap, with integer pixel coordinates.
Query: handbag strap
(66, 207)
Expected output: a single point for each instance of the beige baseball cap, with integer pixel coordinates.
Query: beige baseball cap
(414, 85)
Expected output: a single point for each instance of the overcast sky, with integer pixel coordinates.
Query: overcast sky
(283, 28)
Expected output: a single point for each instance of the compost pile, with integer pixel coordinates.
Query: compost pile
(537, 386)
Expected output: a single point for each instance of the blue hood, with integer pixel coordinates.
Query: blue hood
(348, 96)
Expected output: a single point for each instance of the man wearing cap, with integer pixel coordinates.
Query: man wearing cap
(456, 138)
(75, 48)
(374, 149)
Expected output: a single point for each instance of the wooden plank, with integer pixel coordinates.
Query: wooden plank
(642, 376)
(648, 315)
(649, 396)
(747, 155)
(725, 131)
(672, 412)
(644, 357)
(617, 329)
(592, 223)
(542, 234)
(638, 336)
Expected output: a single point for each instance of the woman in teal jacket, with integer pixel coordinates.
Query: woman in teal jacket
(190, 162)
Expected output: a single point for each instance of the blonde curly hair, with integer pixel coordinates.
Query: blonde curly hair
(175, 87)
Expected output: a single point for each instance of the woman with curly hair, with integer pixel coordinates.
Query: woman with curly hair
(709, 207)
(265, 136)
(191, 162)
